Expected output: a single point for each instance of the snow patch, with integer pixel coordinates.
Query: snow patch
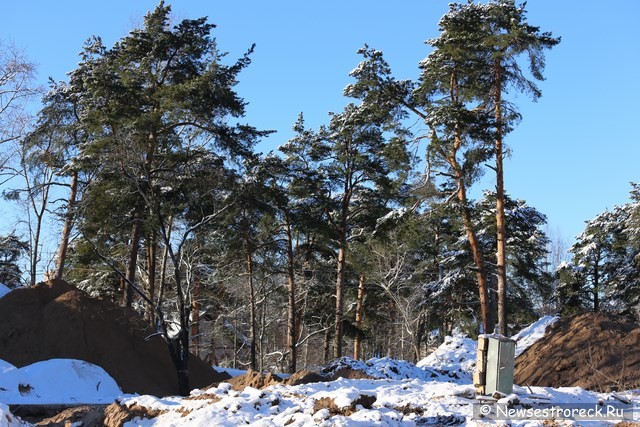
(532, 333)
(383, 368)
(5, 367)
(56, 381)
(7, 419)
(231, 371)
(456, 357)
(4, 289)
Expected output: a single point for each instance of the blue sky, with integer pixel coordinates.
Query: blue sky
(573, 155)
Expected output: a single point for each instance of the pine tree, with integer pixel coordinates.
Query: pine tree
(356, 169)
(461, 97)
(506, 37)
(161, 112)
(601, 256)
(449, 83)
(530, 284)
(443, 99)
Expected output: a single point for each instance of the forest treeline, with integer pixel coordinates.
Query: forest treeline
(355, 238)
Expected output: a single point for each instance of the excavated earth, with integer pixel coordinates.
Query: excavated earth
(595, 351)
(57, 320)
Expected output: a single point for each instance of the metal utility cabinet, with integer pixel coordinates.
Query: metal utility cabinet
(494, 364)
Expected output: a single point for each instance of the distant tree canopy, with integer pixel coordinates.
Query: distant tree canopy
(11, 250)
(604, 271)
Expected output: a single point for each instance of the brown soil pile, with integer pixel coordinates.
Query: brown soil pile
(595, 351)
(116, 415)
(351, 374)
(305, 377)
(365, 400)
(259, 380)
(254, 379)
(56, 320)
(86, 415)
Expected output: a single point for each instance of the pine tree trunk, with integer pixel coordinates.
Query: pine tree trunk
(500, 215)
(478, 258)
(359, 308)
(326, 345)
(179, 351)
(35, 253)
(195, 310)
(252, 313)
(179, 345)
(163, 264)
(338, 327)
(291, 315)
(483, 290)
(136, 233)
(68, 226)
(151, 268)
(596, 285)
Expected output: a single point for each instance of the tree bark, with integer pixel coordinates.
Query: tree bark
(179, 344)
(252, 313)
(68, 226)
(478, 258)
(500, 215)
(195, 317)
(338, 327)
(291, 314)
(476, 250)
(326, 345)
(136, 233)
(152, 246)
(179, 351)
(357, 345)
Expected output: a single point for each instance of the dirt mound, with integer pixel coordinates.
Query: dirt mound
(259, 380)
(364, 400)
(85, 415)
(116, 415)
(254, 379)
(345, 367)
(595, 351)
(56, 320)
(305, 377)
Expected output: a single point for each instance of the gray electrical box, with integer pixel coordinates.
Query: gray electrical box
(500, 360)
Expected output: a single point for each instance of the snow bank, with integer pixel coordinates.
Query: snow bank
(397, 403)
(8, 420)
(382, 368)
(4, 289)
(56, 381)
(398, 370)
(5, 367)
(532, 333)
(231, 371)
(456, 357)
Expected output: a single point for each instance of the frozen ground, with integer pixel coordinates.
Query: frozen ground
(435, 392)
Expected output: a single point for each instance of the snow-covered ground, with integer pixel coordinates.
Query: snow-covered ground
(455, 357)
(438, 391)
(56, 381)
(360, 402)
(4, 289)
(532, 333)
